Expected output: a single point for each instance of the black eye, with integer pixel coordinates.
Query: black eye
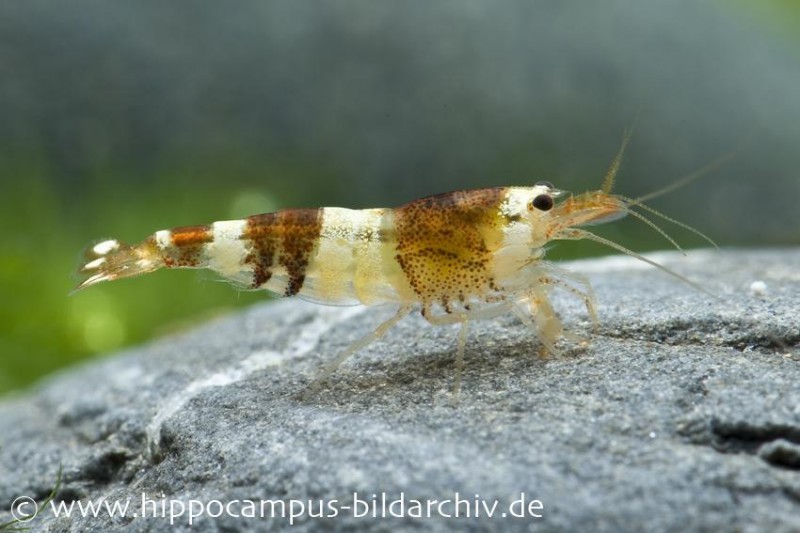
(543, 202)
(545, 184)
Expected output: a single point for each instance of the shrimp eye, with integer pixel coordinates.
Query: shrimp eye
(543, 202)
(545, 184)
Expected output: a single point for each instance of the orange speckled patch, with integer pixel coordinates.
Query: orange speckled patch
(187, 246)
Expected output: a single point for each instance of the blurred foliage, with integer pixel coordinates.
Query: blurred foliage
(219, 114)
(782, 15)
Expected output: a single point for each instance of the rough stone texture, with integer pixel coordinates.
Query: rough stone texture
(682, 414)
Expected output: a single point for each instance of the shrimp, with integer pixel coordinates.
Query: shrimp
(455, 257)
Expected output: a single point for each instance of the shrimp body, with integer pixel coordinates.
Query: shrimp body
(451, 252)
(456, 257)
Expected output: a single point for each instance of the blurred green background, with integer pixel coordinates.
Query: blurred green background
(121, 118)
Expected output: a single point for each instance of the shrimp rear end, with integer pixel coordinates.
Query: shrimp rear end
(328, 255)
(111, 259)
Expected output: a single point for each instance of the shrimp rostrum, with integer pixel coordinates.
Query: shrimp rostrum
(455, 257)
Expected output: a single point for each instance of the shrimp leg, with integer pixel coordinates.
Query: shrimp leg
(376, 334)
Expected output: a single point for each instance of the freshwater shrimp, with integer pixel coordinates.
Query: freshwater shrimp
(455, 257)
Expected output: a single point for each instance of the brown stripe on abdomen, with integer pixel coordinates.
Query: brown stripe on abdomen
(284, 239)
(263, 238)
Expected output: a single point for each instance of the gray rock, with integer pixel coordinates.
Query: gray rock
(682, 414)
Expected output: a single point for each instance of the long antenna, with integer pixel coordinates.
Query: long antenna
(699, 173)
(583, 234)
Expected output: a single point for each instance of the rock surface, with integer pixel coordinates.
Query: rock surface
(682, 414)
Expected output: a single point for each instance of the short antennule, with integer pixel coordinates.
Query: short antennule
(109, 260)
(613, 169)
(576, 233)
(668, 219)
